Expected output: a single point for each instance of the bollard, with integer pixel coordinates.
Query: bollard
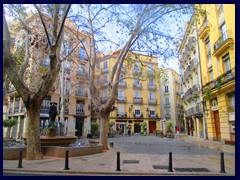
(170, 162)
(222, 163)
(20, 160)
(66, 161)
(118, 162)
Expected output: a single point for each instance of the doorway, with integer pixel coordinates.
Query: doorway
(152, 126)
(79, 127)
(137, 128)
(217, 125)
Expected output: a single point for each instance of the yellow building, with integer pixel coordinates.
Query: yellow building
(216, 33)
(138, 101)
(75, 77)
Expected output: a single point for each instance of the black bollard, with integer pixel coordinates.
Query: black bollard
(20, 160)
(170, 162)
(66, 161)
(118, 162)
(222, 163)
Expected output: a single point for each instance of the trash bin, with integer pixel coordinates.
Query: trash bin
(111, 144)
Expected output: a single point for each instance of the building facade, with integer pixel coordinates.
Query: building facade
(216, 32)
(138, 101)
(195, 122)
(74, 73)
(170, 98)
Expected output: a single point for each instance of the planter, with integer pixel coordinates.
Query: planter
(51, 133)
(229, 142)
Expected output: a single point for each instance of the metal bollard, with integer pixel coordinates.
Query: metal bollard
(222, 170)
(118, 162)
(20, 160)
(66, 161)
(170, 162)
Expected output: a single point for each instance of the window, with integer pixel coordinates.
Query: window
(121, 78)
(105, 94)
(208, 49)
(211, 75)
(97, 66)
(81, 53)
(17, 103)
(151, 96)
(46, 61)
(232, 100)
(227, 65)
(136, 81)
(137, 112)
(105, 78)
(67, 64)
(168, 112)
(97, 94)
(167, 101)
(67, 87)
(136, 67)
(105, 65)
(80, 107)
(152, 113)
(166, 89)
(151, 82)
(46, 103)
(98, 80)
(121, 95)
(136, 94)
(150, 68)
(223, 30)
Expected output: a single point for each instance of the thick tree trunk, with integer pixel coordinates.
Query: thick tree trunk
(104, 131)
(33, 133)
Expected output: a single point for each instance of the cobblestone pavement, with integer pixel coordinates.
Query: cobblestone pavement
(141, 155)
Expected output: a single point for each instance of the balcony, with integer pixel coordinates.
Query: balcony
(121, 114)
(44, 110)
(167, 105)
(203, 30)
(153, 115)
(222, 80)
(223, 43)
(104, 84)
(122, 84)
(192, 43)
(187, 94)
(80, 112)
(166, 92)
(198, 108)
(195, 88)
(82, 74)
(138, 115)
(137, 85)
(122, 99)
(194, 64)
(151, 87)
(167, 116)
(138, 100)
(81, 94)
(152, 101)
(104, 70)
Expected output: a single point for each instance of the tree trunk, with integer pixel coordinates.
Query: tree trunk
(104, 131)
(33, 133)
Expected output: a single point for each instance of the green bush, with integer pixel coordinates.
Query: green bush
(9, 122)
(94, 129)
(169, 126)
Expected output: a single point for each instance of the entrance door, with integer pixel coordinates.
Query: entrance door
(79, 127)
(152, 126)
(137, 128)
(217, 125)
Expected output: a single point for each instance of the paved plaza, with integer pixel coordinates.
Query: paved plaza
(141, 155)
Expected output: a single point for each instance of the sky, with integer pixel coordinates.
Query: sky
(172, 28)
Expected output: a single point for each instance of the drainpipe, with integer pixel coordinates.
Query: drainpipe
(205, 134)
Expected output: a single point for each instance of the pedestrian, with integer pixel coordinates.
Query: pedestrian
(129, 130)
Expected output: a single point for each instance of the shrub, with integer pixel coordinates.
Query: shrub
(169, 126)
(9, 122)
(94, 129)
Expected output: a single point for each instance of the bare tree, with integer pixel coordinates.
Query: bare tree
(33, 94)
(143, 25)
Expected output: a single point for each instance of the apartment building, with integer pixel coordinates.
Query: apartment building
(138, 101)
(216, 33)
(195, 122)
(171, 105)
(74, 71)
